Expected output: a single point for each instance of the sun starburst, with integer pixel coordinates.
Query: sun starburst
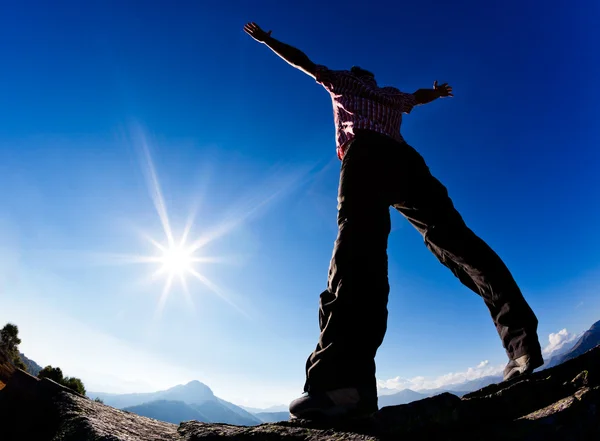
(179, 258)
(176, 260)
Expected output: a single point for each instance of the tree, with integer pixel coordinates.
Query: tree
(20, 364)
(9, 344)
(9, 339)
(98, 400)
(52, 373)
(75, 384)
(56, 374)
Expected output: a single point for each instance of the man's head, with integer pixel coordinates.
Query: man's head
(362, 73)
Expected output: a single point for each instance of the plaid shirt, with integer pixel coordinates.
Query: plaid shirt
(360, 104)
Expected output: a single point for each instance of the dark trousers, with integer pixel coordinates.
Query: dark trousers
(378, 172)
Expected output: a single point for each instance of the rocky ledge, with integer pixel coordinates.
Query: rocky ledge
(561, 403)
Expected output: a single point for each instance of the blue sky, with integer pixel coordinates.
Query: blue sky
(95, 94)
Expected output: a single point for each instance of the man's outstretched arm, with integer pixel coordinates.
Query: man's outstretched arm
(424, 96)
(293, 56)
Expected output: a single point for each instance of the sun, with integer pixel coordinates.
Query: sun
(177, 257)
(177, 260)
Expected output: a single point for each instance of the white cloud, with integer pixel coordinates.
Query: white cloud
(483, 369)
(557, 340)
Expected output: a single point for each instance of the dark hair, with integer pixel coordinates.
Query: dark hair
(361, 72)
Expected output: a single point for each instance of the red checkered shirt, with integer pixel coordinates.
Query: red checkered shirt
(360, 104)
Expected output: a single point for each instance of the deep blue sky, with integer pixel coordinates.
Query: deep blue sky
(229, 124)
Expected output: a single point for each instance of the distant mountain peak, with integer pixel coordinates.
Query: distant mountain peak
(194, 385)
(192, 392)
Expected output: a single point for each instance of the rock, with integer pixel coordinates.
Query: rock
(194, 431)
(420, 418)
(560, 403)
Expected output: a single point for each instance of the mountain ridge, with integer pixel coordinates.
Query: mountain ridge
(195, 400)
(589, 340)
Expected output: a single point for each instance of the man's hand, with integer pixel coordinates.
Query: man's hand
(442, 90)
(256, 32)
(293, 56)
(424, 96)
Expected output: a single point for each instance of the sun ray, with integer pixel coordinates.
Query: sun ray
(156, 244)
(237, 219)
(109, 259)
(164, 295)
(230, 225)
(178, 256)
(214, 288)
(188, 226)
(156, 193)
(186, 293)
(213, 259)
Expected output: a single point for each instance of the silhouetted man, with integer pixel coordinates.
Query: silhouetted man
(378, 170)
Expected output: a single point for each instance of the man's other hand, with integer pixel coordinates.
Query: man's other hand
(443, 89)
(256, 32)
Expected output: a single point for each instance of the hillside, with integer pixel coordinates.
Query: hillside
(589, 340)
(32, 367)
(168, 411)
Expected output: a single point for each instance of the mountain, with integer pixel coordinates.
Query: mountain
(458, 393)
(589, 340)
(177, 411)
(168, 411)
(121, 401)
(220, 411)
(466, 387)
(193, 397)
(273, 417)
(555, 357)
(403, 397)
(32, 367)
(406, 396)
(271, 409)
(193, 392)
(237, 409)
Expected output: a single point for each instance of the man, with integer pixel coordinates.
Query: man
(378, 170)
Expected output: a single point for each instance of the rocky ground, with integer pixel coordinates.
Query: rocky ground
(561, 403)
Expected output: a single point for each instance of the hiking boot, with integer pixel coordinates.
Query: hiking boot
(339, 403)
(523, 365)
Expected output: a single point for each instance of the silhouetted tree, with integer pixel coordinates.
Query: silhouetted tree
(98, 400)
(20, 364)
(56, 374)
(52, 373)
(9, 338)
(9, 343)
(75, 384)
